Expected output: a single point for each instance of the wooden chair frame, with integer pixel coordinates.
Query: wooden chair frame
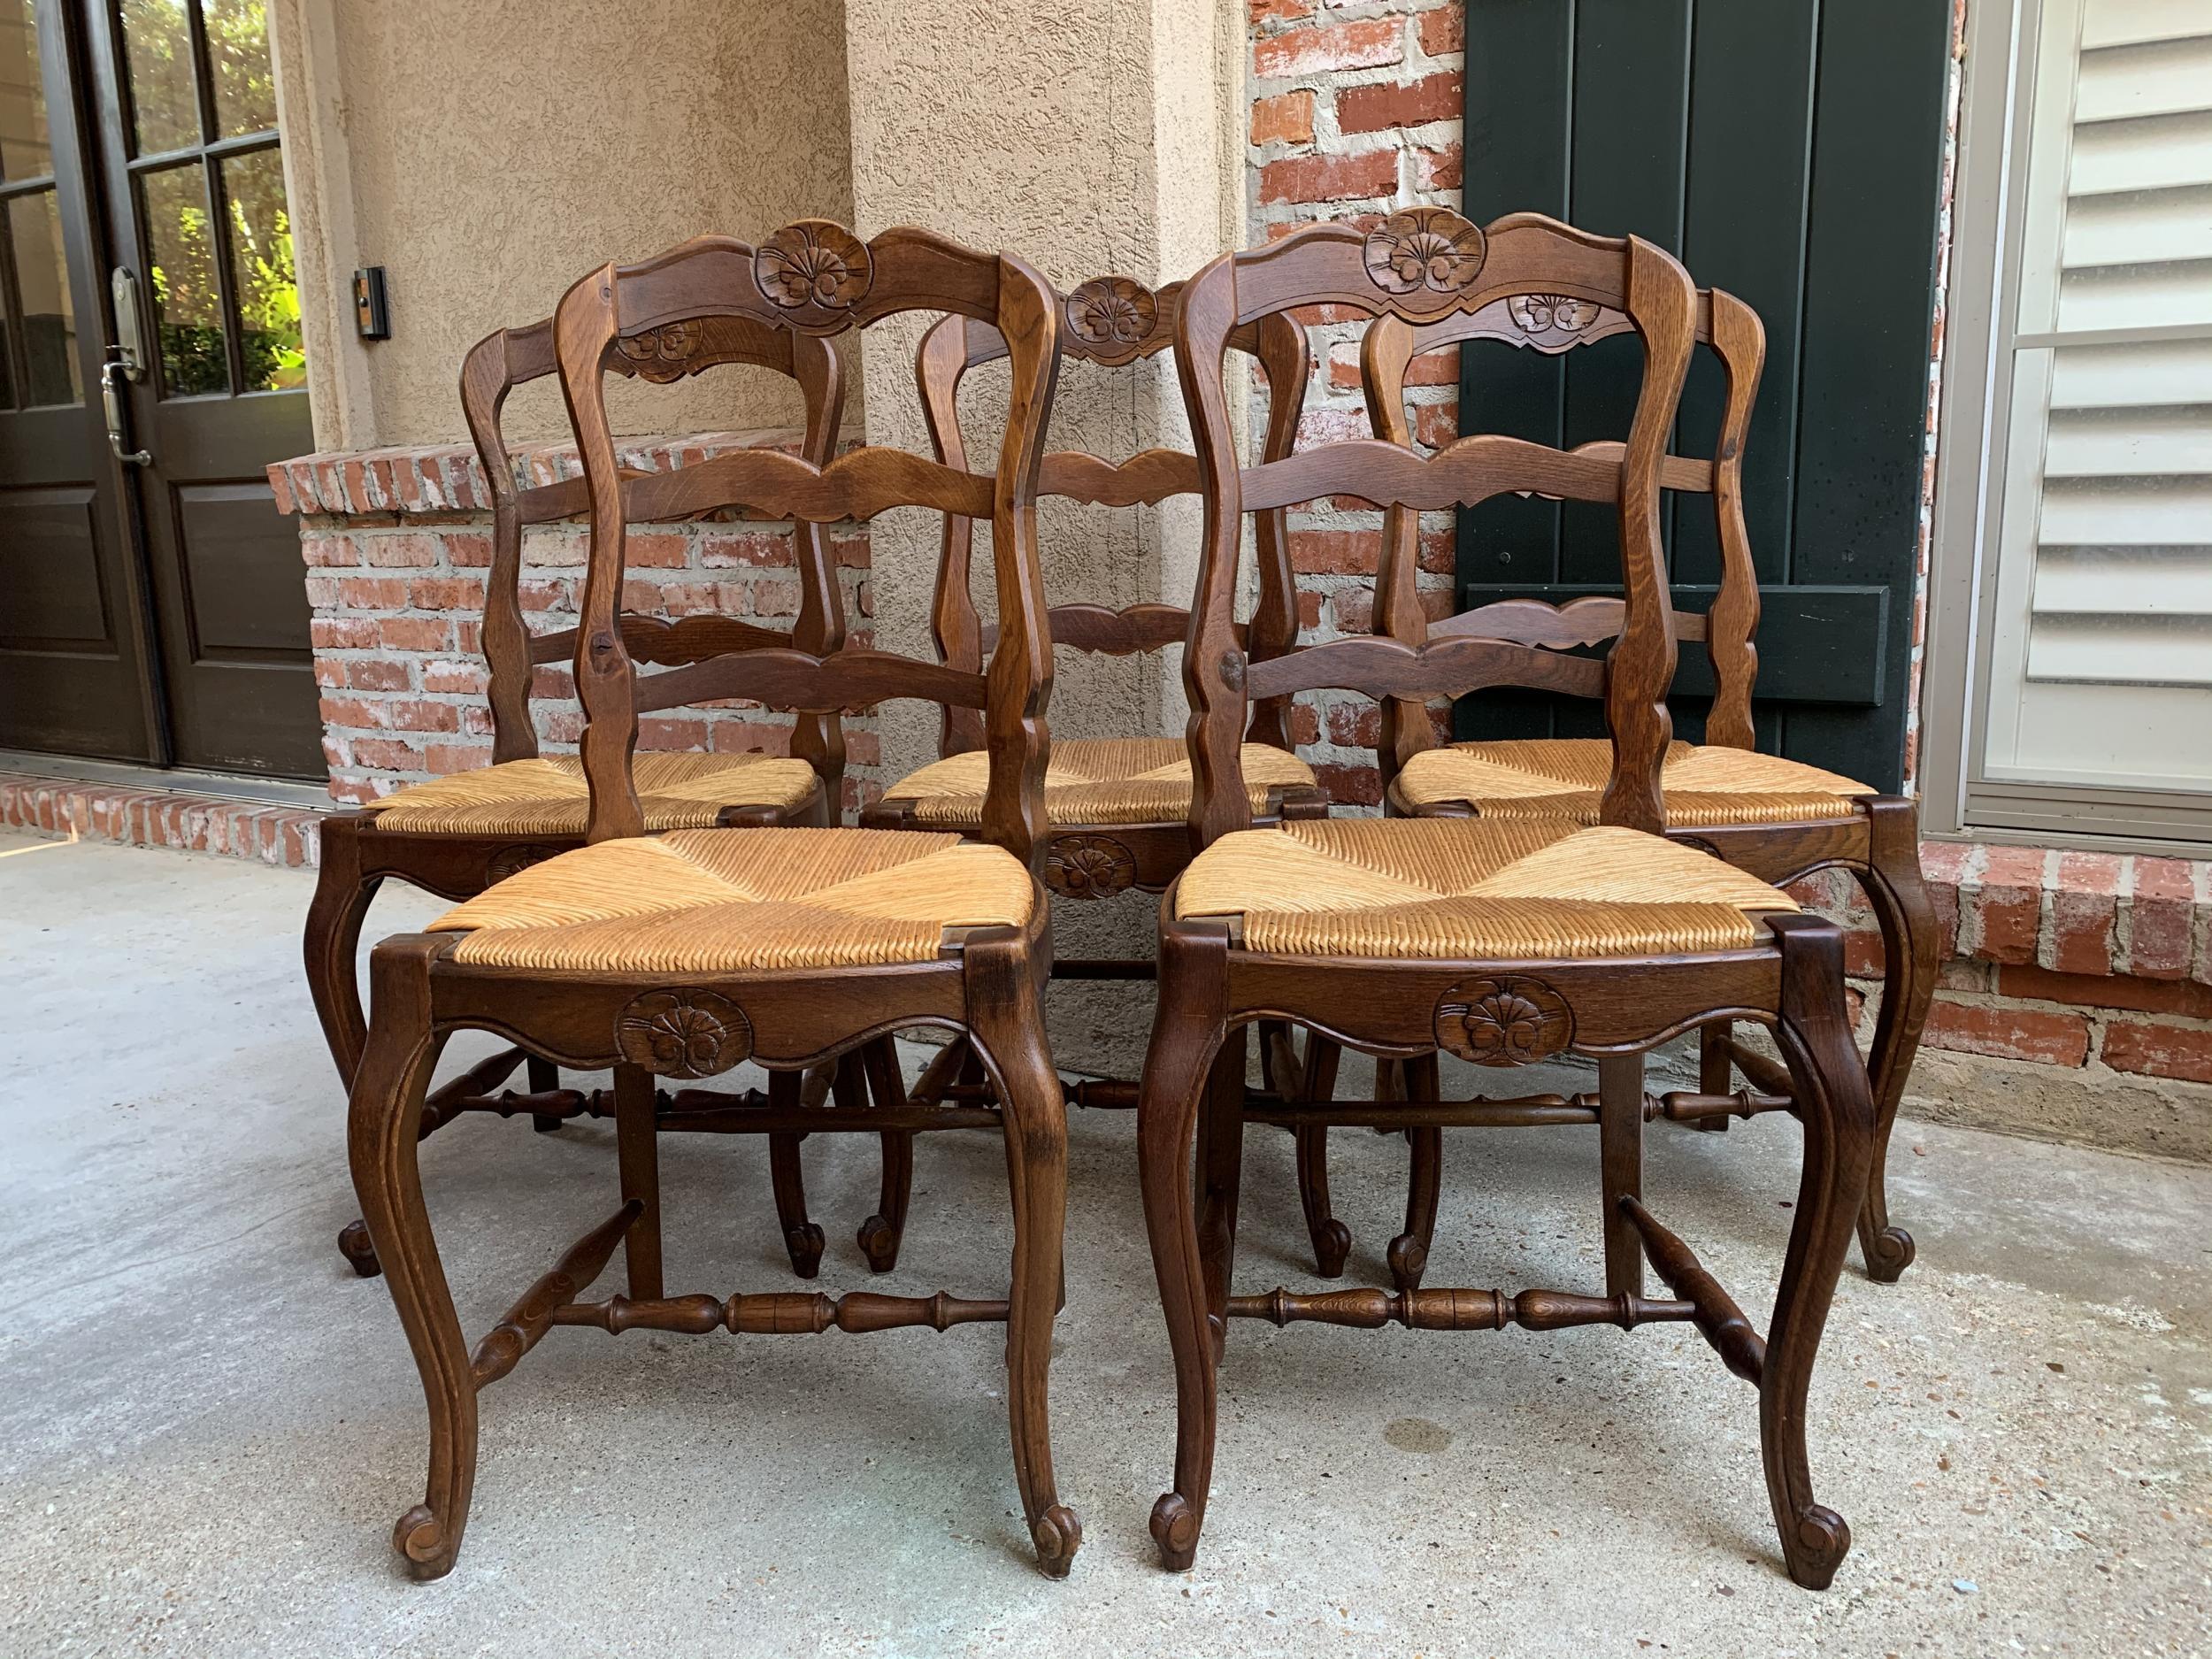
(1879, 846)
(813, 278)
(1113, 321)
(1418, 263)
(357, 857)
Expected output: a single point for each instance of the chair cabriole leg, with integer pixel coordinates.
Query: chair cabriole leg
(802, 1239)
(331, 942)
(1837, 1112)
(1331, 1239)
(881, 1233)
(545, 1077)
(1911, 946)
(1408, 1253)
(637, 1153)
(1220, 1180)
(1007, 1019)
(1621, 1158)
(382, 1125)
(1186, 1029)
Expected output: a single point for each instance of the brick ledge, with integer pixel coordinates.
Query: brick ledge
(78, 810)
(443, 478)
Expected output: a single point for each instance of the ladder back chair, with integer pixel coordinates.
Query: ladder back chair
(456, 835)
(682, 954)
(1780, 819)
(1503, 943)
(1119, 807)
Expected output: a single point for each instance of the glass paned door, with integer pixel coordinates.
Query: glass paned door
(197, 199)
(153, 604)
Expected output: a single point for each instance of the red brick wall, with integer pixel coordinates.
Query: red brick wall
(1351, 120)
(396, 544)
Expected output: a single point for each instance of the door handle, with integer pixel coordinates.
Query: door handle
(111, 405)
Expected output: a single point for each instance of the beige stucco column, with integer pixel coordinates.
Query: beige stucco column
(1092, 137)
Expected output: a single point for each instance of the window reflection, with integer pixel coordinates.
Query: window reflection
(48, 319)
(26, 151)
(165, 104)
(188, 300)
(262, 274)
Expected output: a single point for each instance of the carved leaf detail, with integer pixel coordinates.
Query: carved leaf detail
(1509, 1021)
(814, 267)
(1428, 247)
(1110, 311)
(683, 1034)
(1090, 866)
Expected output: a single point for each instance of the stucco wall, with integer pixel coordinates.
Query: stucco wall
(487, 152)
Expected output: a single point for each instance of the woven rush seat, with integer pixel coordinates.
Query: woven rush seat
(1564, 777)
(1095, 780)
(548, 797)
(733, 900)
(1471, 887)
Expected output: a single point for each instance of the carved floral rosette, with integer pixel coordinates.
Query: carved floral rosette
(814, 272)
(662, 354)
(1510, 1020)
(1090, 866)
(1424, 255)
(1110, 319)
(683, 1034)
(516, 858)
(1548, 323)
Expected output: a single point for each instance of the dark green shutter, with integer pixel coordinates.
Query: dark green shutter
(1787, 150)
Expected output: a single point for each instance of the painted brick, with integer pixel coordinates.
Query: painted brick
(1262, 12)
(2153, 1048)
(1436, 97)
(2010, 904)
(2108, 990)
(1366, 45)
(392, 552)
(2161, 919)
(2085, 911)
(1443, 30)
(2009, 1032)
(1286, 119)
(1330, 178)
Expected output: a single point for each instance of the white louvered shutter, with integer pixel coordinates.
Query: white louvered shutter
(2098, 635)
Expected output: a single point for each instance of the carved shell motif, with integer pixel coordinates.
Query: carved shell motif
(1111, 314)
(683, 1034)
(1430, 248)
(815, 270)
(1090, 866)
(1503, 1022)
(663, 353)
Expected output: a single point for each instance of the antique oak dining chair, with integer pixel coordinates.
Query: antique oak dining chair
(1780, 819)
(1118, 807)
(1504, 944)
(682, 954)
(458, 834)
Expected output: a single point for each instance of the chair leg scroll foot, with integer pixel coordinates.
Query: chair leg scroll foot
(1175, 1532)
(353, 1244)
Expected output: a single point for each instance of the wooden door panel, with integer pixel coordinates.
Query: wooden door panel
(236, 547)
(49, 572)
(1791, 153)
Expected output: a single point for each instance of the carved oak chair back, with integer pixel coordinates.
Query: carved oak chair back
(510, 357)
(1112, 321)
(815, 280)
(801, 948)
(1553, 324)
(1502, 943)
(1420, 265)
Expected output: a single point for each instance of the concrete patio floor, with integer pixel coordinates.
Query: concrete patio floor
(208, 1424)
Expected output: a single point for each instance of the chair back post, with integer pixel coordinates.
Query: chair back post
(495, 366)
(1420, 265)
(585, 328)
(1111, 321)
(1734, 332)
(811, 280)
(1732, 624)
(1640, 670)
